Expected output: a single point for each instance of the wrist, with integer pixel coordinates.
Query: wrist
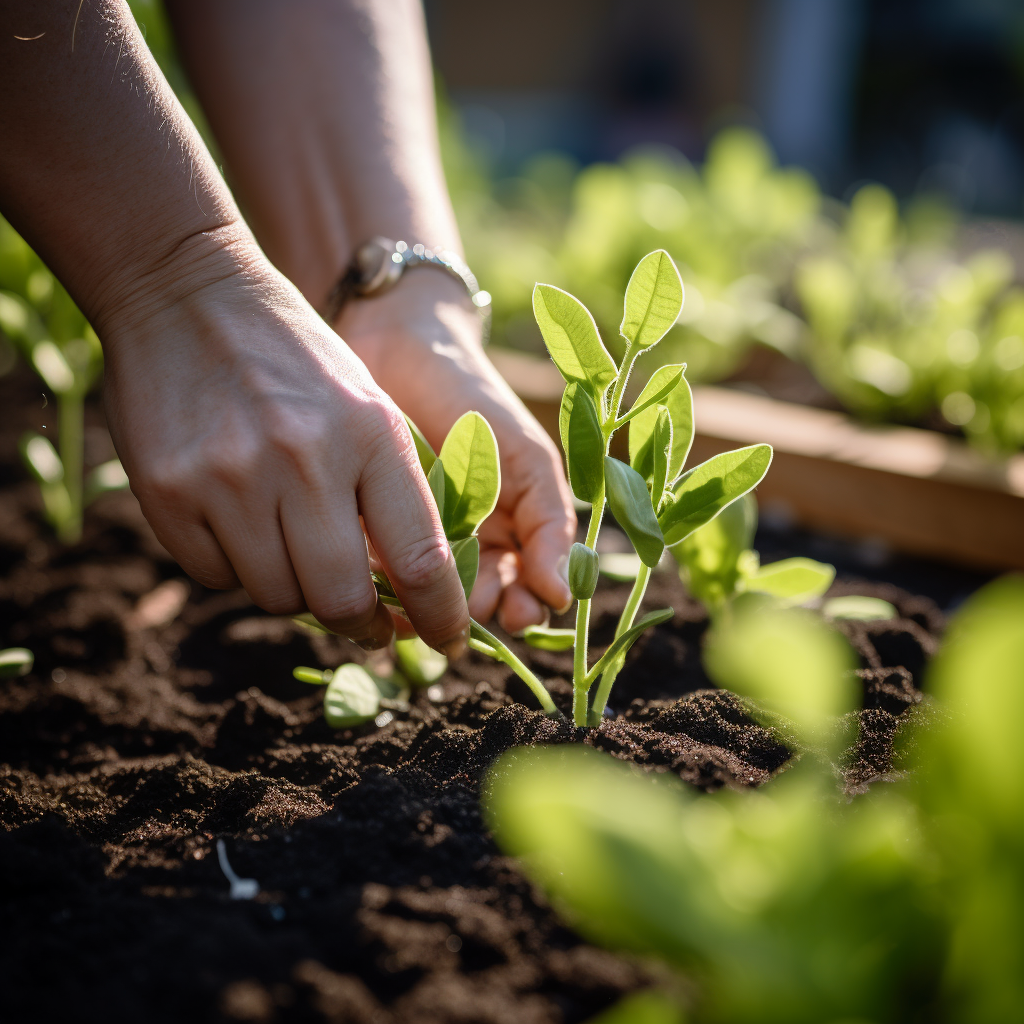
(194, 266)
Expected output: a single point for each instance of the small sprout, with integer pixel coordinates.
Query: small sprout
(854, 606)
(420, 664)
(241, 888)
(315, 676)
(622, 567)
(352, 697)
(544, 638)
(14, 662)
(584, 568)
(792, 581)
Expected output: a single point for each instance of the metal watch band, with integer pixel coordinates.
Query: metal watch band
(378, 264)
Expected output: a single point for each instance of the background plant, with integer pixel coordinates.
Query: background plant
(786, 904)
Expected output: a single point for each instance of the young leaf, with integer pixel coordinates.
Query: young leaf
(582, 441)
(668, 377)
(856, 606)
(706, 489)
(572, 339)
(623, 643)
(679, 402)
(545, 638)
(352, 697)
(792, 581)
(313, 676)
(51, 365)
(423, 449)
(654, 300)
(661, 451)
(420, 664)
(467, 561)
(435, 479)
(472, 475)
(41, 459)
(631, 505)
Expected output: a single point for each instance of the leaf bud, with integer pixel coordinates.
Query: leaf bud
(584, 567)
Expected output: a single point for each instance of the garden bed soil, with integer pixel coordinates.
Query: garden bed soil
(161, 717)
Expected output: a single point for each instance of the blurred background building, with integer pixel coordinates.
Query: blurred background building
(920, 95)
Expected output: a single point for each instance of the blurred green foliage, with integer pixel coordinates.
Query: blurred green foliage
(786, 904)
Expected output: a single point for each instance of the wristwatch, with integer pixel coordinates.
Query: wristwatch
(378, 264)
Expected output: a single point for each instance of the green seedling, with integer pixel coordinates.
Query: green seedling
(717, 563)
(854, 606)
(39, 317)
(654, 500)
(785, 905)
(15, 661)
(354, 695)
(420, 664)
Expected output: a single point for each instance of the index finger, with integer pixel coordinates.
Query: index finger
(403, 525)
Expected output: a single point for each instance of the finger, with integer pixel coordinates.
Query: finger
(193, 546)
(406, 533)
(249, 533)
(545, 525)
(328, 551)
(498, 569)
(519, 609)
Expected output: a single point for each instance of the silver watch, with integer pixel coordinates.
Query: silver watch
(378, 265)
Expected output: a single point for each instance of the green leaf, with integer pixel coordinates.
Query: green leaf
(352, 697)
(679, 402)
(472, 475)
(854, 606)
(435, 480)
(793, 581)
(15, 661)
(706, 489)
(41, 459)
(467, 561)
(622, 644)
(654, 300)
(631, 505)
(19, 321)
(572, 340)
(667, 383)
(51, 365)
(423, 450)
(582, 441)
(314, 676)
(420, 664)
(661, 451)
(545, 638)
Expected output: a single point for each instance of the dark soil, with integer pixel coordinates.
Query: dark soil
(161, 717)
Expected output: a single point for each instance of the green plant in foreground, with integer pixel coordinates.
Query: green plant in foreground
(653, 499)
(785, 904)
(15, 661)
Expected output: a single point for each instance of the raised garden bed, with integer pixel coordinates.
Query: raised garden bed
(920, 491)
(162, 717)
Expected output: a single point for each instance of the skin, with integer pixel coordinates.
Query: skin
(257, 441)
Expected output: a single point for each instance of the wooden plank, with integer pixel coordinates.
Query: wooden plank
(919, 491)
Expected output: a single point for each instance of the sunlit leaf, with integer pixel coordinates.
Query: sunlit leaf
(793, 581)
(705, 490)
(654, 300)
(572, 339)
(420, 664)
(352, 697)
(472, 475)
(436, 482)
(15, 661)
(467, 561)
(545, 638)
(423, 450)
(679, 402)
(858, 606)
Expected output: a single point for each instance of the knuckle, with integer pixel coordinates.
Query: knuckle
(421, 563)
(282, 603)
(347, 608)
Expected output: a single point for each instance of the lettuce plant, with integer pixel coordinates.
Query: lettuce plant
(785, 904)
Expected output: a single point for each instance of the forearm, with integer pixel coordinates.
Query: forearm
(324, 110)
(100, 169)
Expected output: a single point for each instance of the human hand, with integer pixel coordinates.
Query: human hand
(421, 343)
(255, 440)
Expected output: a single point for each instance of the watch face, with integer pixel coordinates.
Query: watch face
(376, 268)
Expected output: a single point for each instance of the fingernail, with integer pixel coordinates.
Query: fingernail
(456, 647)
(371, 643)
